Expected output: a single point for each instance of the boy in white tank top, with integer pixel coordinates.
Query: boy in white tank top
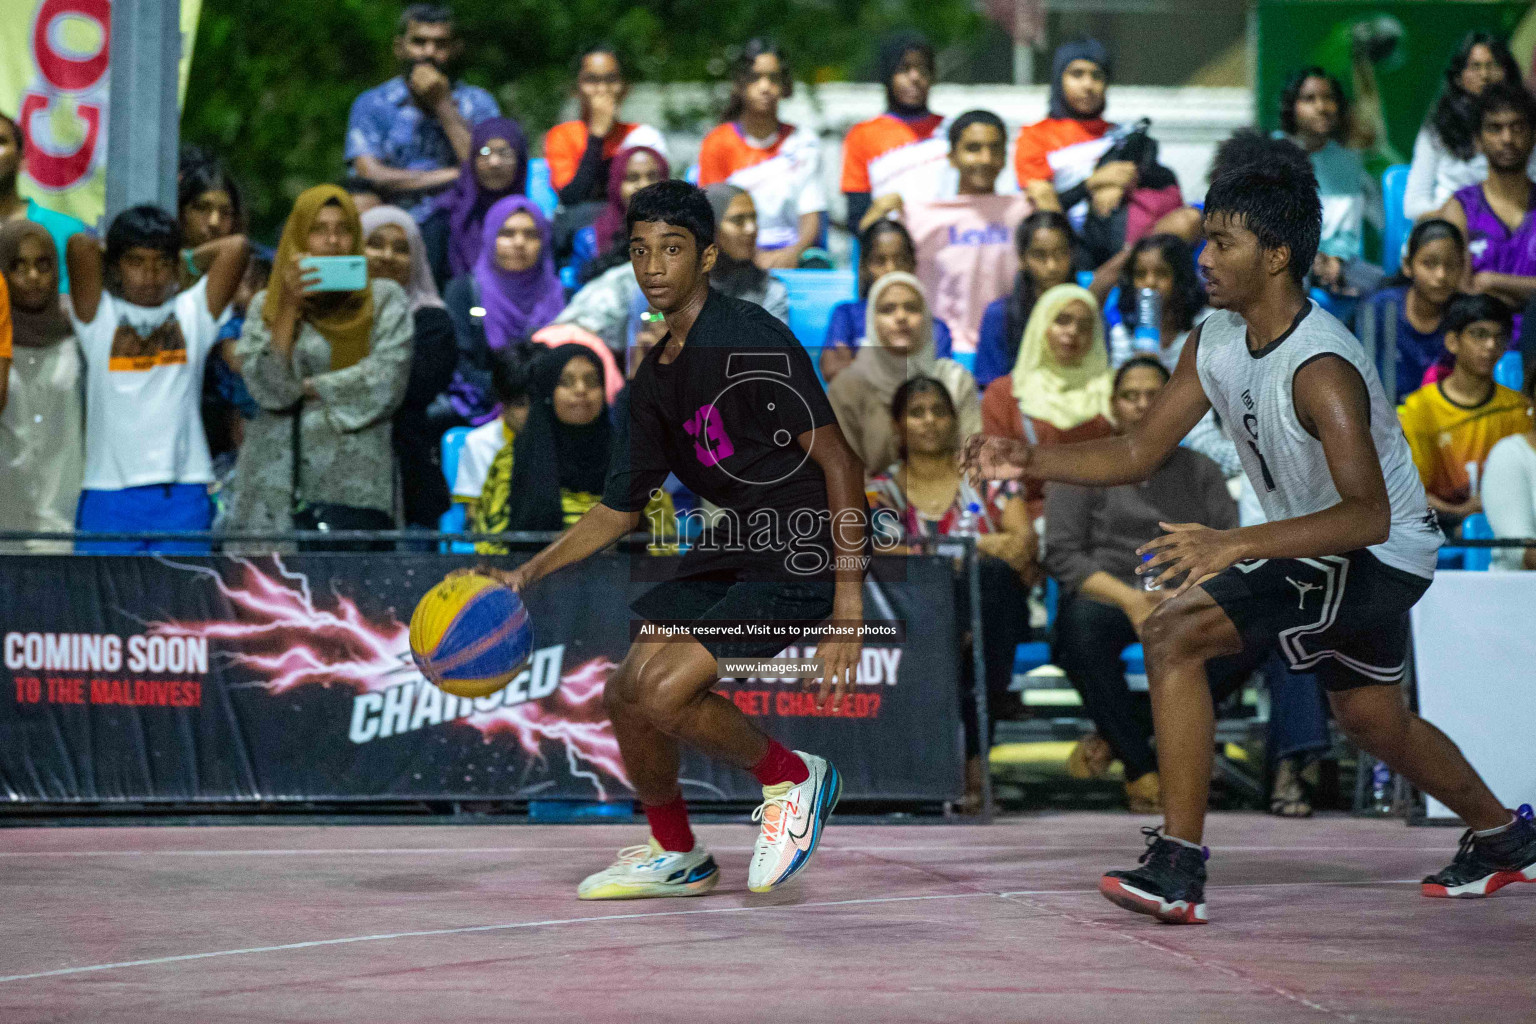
(1349, 547)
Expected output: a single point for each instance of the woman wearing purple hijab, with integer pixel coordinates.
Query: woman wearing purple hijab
(512, 292)
(497, 167)
(600, 246)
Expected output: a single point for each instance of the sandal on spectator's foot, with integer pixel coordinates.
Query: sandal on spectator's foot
(1144, 794)
(1090, 758)
(1291, 795)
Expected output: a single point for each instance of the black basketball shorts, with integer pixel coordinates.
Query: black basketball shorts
(1344, 617)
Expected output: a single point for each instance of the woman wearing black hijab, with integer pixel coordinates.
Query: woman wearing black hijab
(1105, 177)
(560, 457)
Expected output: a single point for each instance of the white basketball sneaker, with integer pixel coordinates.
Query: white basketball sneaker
(792, 817)
(646, 871)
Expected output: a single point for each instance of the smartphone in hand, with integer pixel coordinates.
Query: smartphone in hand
(337, 273)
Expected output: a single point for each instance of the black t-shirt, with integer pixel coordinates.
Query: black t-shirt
(725, 416)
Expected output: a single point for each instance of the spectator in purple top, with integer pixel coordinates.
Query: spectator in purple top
(409, 135)
(1496, 215)
(497, 167)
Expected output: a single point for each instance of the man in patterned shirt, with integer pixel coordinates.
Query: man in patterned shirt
(409, 136)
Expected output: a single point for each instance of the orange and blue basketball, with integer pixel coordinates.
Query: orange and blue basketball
(470, 635)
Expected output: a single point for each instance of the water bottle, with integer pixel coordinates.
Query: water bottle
(968, 522)
(1149, 578)
(1381, 788)
(1149, 321)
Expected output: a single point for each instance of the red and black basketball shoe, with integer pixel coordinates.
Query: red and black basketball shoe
(1169, 885)
(1485, 865)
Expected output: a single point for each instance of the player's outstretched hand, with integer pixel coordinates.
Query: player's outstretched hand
(840, 663)
(994, 458)
(1196, 551)
(513, 579)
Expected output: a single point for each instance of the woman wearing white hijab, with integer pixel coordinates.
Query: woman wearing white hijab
(897, 347)
(393, 244)
(1060, 386)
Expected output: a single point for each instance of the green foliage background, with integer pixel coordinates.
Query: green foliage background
(272, 80)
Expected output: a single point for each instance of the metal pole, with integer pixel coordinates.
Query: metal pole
(979, 681)
(143, 119)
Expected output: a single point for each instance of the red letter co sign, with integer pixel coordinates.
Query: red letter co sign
(69, 86)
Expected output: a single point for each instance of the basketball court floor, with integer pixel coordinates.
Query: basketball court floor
(1316, 920)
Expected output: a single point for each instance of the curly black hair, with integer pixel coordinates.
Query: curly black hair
(1275, 198)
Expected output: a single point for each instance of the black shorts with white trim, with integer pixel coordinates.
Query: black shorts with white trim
(1344, 617)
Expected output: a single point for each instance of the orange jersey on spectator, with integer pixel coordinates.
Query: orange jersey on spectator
(1036, 142)
(5, 320)
(784, 179)
(724, 152)
(881, 136)
(565, 143)
(1451, 442)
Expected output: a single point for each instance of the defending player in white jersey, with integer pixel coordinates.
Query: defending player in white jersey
(1350, 544)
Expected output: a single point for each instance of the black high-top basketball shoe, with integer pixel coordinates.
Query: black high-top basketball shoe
(1483, 866)
(1169, 885)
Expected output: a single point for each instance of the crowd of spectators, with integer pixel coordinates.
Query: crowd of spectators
(174, 377)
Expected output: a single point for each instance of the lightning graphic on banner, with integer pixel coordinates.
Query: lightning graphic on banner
(279, 632)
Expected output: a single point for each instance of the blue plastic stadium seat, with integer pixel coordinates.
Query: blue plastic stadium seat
(1032, 655)
(1509, 370)
(540, 189)
(1477, 527)
(453, 520)
(1394, 185)
(812, 294)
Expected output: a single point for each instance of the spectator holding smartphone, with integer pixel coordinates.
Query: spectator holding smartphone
(340, 361)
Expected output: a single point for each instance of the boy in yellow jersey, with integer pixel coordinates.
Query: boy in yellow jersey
(1453, 424)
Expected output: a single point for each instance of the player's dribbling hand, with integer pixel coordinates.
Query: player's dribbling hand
(1198, 552)
(513, 579)
(993, 458)
(839, 663)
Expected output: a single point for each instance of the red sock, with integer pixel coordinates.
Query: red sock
(780, 764)
(669, 825)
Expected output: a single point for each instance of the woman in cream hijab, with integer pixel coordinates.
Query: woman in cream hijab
(1060, 386)
(898, 347)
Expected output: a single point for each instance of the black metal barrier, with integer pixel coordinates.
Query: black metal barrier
(189, 681)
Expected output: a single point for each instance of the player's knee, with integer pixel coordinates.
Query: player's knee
(1373, 724)
(1170, 635)
(619, 690)
(659, 697)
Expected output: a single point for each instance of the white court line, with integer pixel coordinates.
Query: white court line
(512, 926)
(1223, 888)
(439, 850)
(469, 929)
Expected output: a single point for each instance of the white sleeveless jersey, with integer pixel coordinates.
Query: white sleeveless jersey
(1285, 464)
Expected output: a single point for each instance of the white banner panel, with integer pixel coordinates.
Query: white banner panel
(1474, 643)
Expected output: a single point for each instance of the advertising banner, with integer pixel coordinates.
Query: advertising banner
(1473, 651)
(290, 678)
(54, 82)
